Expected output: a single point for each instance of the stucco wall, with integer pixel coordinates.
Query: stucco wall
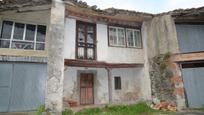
(131, 82)
(70, 38)
(131, 79)
(115, 54)
(32, 17)
(160, 36)
(72, 84)
(104, 52)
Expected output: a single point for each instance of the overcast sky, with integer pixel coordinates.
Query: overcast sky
(149, 6)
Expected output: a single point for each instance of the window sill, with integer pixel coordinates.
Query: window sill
(21, 52)
(85, 59)
(125, 47)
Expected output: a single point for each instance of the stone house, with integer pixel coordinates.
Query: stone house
(54, 53)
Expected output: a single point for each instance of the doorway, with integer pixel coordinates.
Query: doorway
(86, 88)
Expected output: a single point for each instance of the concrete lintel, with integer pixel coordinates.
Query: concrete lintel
(197, 56)
(23, 59)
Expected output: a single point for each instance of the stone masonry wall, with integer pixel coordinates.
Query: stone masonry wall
(160, 38)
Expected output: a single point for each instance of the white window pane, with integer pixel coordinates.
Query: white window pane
(6, 29)
(90, 38)
(4, 43)
(23, 36)
(138, 42)
(81, 37)
(22, 45)
(112, 36)
(80, 52)
(90, 53)
(121, 37)
(130, 38)
(41, 31)
(30, 32)
(90, 29)
(81, 33)
(113, 40)
(18, 31)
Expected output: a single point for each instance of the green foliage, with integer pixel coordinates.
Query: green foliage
(134, 109)
(67, 112)
(91, 111)
(167, 56)
(162, 67)
(40, 110)
(201, 109)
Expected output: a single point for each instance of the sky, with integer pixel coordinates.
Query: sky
(149, 6)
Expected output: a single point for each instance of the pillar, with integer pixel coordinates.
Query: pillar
(54, 93)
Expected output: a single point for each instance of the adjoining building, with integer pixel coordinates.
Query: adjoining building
(55, 53)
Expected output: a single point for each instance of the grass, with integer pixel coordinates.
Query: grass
(134, 109)
(201, 109)
(40, 110)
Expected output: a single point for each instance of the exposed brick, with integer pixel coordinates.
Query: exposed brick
(179, 91)
(176, 79)
(173, 65)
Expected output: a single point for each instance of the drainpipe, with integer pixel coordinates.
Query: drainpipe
(109, 84)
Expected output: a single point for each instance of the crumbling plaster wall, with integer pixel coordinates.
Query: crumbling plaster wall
(55, 79)
(131, 79)
(130, 92)
(31, 17)
(115, 54)
(104, 52)
(160, 37)
(72, 84)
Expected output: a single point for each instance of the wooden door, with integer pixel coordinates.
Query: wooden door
(86, 89)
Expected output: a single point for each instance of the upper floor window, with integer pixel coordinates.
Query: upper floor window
(117, 36)
(125, 37)
(86, 41)
(22, 36)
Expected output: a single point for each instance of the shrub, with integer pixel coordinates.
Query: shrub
(40, 110)
(67, 112)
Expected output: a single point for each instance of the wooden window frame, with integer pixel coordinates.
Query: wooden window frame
(11, 39)
(117, 83)
(126, 39)
(85, 48)
(117, 37)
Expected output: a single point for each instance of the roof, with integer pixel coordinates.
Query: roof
(14, 4)
(109, 11)
(188, 15)
(81, 10)
(111, 15)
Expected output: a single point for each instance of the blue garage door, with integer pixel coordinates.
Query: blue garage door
(22, 86)
(193, 82)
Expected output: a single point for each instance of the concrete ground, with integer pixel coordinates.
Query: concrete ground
(19, 113)
(190, 113)
(179, 113)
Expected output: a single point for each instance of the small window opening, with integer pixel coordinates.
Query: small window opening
(117, 80)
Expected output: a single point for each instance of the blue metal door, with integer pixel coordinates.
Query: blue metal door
(5, 86)
(194, 86)
(24, 86)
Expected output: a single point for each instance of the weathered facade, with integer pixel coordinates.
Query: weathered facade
(90, 56)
